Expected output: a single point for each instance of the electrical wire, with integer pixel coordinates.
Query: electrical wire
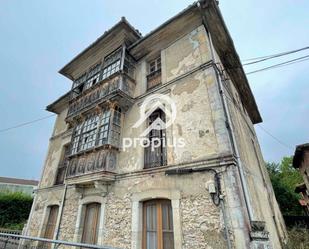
(286, 63)
(26, 123)
(263, 129)
(268, 57)
(278, 140)
(257, 60)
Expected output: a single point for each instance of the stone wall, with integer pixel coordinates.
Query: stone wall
(42, 199)
(118, 221)
(201, 223)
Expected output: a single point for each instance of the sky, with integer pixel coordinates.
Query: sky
(38, 37)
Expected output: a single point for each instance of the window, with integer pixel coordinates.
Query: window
(155, 155)
(51, 222)
(78, 84)
(116, 127)
(96, 130)
(111, 64)
(104, 127)
(62, 166)
(154, 76)
(155, 65)
(88, 134)
(76, 138)
(158, 225)
(91, 223)
(93, 76)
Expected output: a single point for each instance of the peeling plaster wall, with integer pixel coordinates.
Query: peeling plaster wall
(55, 150)
(199, 120)
(260, 189)
(185, 54)
(60, 124)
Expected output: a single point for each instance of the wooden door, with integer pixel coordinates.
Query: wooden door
(51, 222)
(91, 224)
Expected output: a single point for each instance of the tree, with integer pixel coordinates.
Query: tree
(284, 179)
(14, 209)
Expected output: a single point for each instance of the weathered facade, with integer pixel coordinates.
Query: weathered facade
(213, 192)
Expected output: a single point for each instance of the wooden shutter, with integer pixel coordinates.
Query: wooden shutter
(51, 222)
(91, 223)
(158, 225)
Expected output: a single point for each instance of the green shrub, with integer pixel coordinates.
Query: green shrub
(14, 209)
(298, 238)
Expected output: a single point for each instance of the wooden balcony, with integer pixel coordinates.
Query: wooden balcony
(154, 79)
(93, 166)
(120, 87)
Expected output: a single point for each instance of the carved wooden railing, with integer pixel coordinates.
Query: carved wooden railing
(103, 90)
(97, 161)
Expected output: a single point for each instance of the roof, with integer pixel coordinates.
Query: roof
(224, 46)
(57, 105)
(190, 7)
(18, 181)
(299, 154)
(122, 23)
(222, 41)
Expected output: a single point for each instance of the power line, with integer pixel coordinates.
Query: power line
(267, 132)
(258, 59)
(278, 140)
(26, 123)
(286, 63)
(268, 57)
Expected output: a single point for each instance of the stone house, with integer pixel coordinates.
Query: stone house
(301, 162)
(211, 192)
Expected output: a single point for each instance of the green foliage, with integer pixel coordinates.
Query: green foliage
(14, 209)
(298, 238)
(284, 179)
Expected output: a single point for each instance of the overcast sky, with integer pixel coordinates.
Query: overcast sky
(39, 37)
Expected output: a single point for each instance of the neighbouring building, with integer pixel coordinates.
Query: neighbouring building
(25, 186)
(301, 162)
(212, 192)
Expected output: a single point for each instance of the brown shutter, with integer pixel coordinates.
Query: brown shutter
(91, 223)
(51, 222)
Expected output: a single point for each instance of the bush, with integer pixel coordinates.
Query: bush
(14, 209)
(298, 238)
